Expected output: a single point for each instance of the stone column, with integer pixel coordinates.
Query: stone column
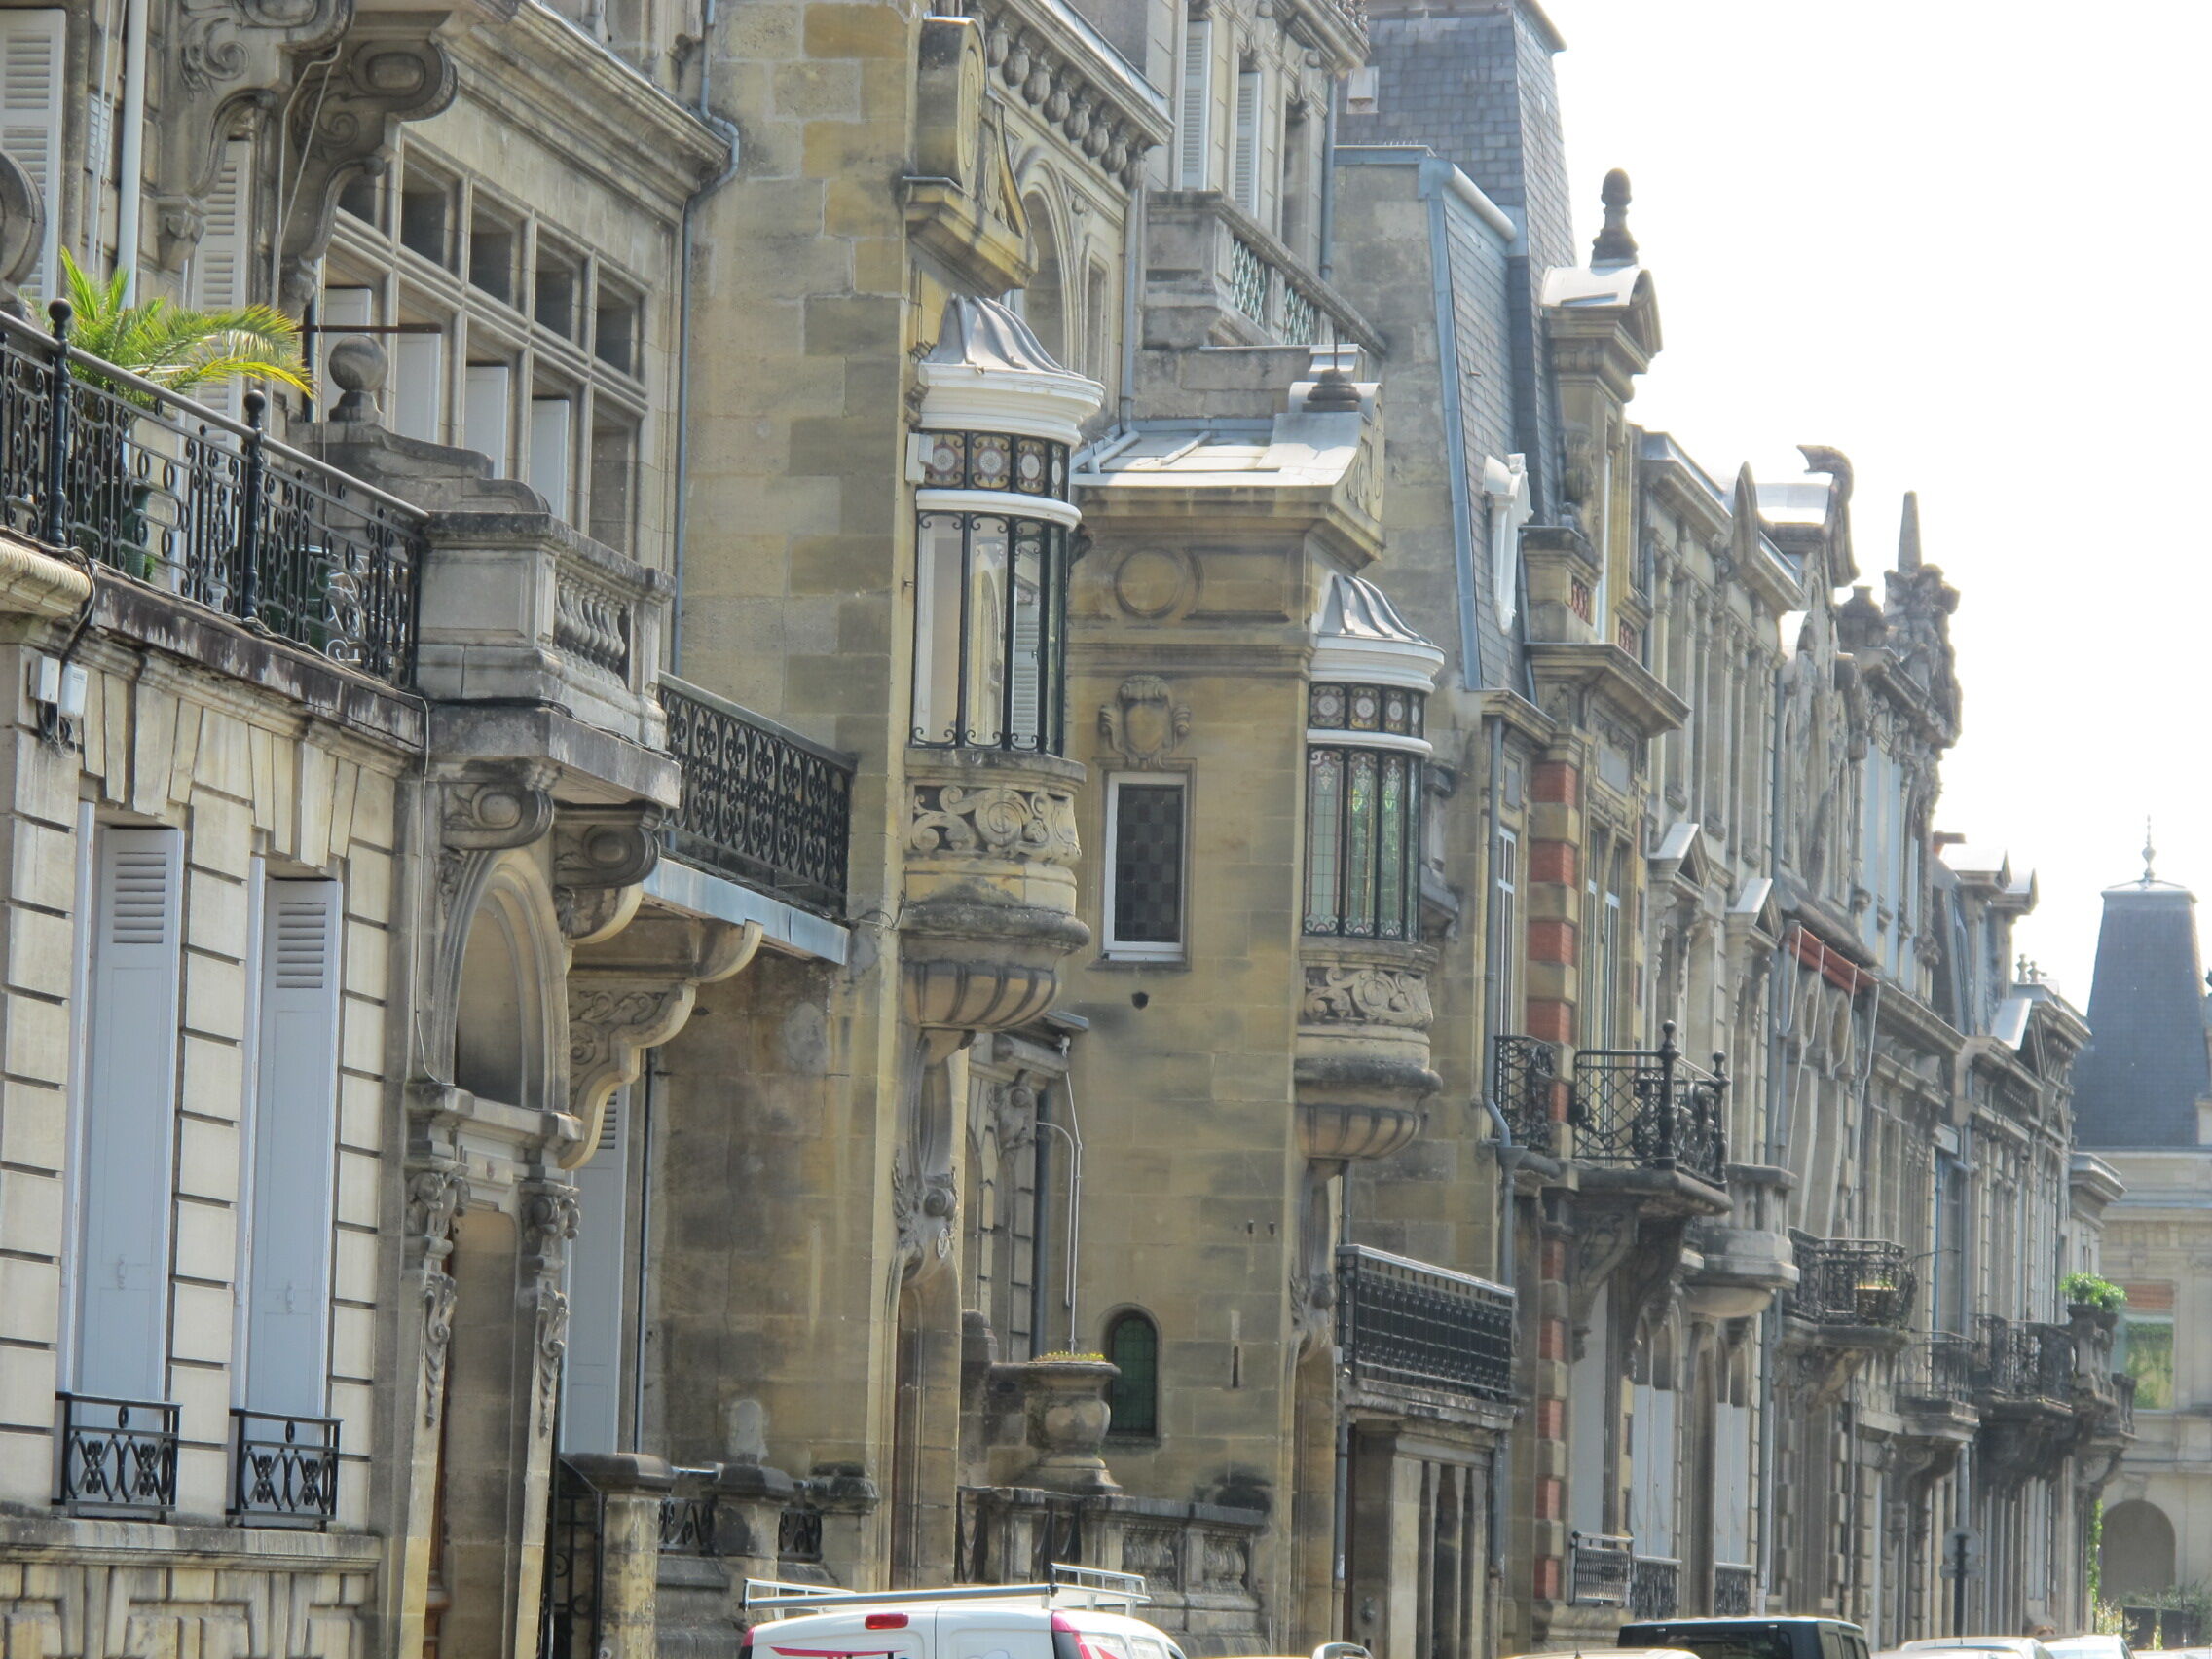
(632, 1485)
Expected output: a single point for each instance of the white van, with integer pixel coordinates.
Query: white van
(1083, 1613)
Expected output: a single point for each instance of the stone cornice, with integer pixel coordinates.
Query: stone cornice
(613, 123)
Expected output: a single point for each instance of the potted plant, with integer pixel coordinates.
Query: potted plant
(179, 348)
(2092, 1298)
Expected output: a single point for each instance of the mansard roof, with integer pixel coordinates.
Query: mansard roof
(2146, 1069)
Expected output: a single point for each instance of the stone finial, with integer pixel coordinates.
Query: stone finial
(1613, 246)
(1334, 393)
(1908, 532)
(2150, 856)
(357, 367)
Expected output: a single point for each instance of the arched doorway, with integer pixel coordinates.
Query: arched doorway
(2138, 1555)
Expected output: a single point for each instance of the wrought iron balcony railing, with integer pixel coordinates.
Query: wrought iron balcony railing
(1651, 1109)
(1852, 1281)
(1526, 1077)
(2022, 1360)
(761, 805)
(798, 1536)
(572, 1609)
(187, 501)
(1733, 1590)
(1598, 1569)
(1938, 1371)
(2123, 1402)
(283, 1469)
(1411, 1325)
(1654, 1587)
(117, 1457)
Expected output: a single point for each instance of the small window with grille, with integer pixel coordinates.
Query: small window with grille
(1132, 1344)
(1145, 819)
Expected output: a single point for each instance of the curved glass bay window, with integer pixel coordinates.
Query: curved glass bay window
(990, 614)
(1363, 800)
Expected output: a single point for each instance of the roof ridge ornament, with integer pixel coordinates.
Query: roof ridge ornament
(2150, 854)
(1613, 246)
(1908, 532)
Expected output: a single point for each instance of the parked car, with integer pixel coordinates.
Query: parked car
(1616, 1654)
(1750, 1638)
(2018, 1646)
(1083, 1613)
(2093, 1646)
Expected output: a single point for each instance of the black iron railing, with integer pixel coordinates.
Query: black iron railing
(2123, 1402)
(1526, 1080)
(1852, 1281)
(283, 1469)
(2022, 1360)
(1654, 1587)
(1940, 1370)
(117, 1457)
(687, 1515)
(1651, 1109)
(576, 1564)
(1598, 1570)
(1414, 1325)
(798, 1536)
(760, 805)
(1733, 1588)
(187, 501)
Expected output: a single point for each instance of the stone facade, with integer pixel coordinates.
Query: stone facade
(967, 799)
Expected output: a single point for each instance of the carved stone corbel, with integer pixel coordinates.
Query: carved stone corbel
(435, 1193)
(602, 856)
(925, 1193)
(635, 993)
(390, 70)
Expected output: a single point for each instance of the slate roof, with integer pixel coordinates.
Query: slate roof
(2139, 1081)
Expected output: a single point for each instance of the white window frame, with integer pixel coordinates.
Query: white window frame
(1145, 950)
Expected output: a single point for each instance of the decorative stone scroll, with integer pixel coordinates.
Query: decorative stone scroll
(1357, 994)
(1005, 821)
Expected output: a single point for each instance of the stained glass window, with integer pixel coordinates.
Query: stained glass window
(1363, 812)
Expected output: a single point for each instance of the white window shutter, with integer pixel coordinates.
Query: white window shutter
(30, 122)
(552, 424)
(295, 1139)
(1195, 131)
(131, 1115)
(419, 388)
(590, 1400)
(1246, 181)
(487, 400)
(218, 275)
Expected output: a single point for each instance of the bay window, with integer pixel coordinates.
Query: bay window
(1363, 791)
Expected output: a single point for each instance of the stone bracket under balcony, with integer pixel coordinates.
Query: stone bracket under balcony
(989, 912)
(1361, 1067)
(1746, 1257)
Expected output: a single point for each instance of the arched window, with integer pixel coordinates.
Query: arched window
(1132, 1344)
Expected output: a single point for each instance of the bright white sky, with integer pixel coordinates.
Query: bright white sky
(1958, 241)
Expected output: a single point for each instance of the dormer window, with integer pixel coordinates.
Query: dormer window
(993, 526)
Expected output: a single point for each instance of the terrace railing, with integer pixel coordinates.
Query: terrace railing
(117, 1457)
(760, 805)
(1651, 1109)
(2022, 1360)
(1733, 1589)
(1852, 1281)
(687, 1515)
(1411, 1325)
(1938, 1370)
(179, 497)
(1598, 1569)
(1527, 1073)
(1654, 1587)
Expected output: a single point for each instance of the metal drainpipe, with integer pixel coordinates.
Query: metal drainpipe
(1325, 221)
(1132, 271)
(680, 526)
(1776, 1151)
(1509, 1155)
(1040, 1223)
(130, 187)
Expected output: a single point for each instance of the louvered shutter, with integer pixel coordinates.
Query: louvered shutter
(1194, 133)
(30, 121)
(218, 278)
(1244, 182)
(130, 1115)
(591, 1402)
(295, 1139)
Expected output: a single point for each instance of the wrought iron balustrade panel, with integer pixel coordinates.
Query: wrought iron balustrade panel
(576, 1563)
(1417, 1326)
(759, 804)
(283, 1469)
(1651, 1109)
(687, 1516)
(1733, 1590)
(1852, 1281)
(1526, 1080)
(117, 1457)
(1939, 1370)
(1654, 1587)
(1248, 279)
(1598, 1569)
(181, 497)
(798, 1536)
(2022, 1360)
(2123, 1402)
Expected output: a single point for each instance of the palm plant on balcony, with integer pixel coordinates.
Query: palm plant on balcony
(180, 348)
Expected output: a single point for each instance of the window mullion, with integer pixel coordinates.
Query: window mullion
(960, 656)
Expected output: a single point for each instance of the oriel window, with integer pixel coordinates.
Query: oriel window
(991, 593)
(1363, 793)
